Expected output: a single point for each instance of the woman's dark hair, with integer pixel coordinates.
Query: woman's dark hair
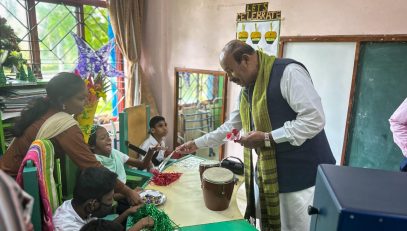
(92, 137)
(60, 88)
(102, 225)
(93, 183)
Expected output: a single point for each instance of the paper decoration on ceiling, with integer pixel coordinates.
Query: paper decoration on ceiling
(93, 62)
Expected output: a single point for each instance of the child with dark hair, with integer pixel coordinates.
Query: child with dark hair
(101, 145)
(92, 199)
(158, 131)
(114, 160)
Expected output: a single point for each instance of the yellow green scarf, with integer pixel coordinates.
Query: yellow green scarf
(267, 168)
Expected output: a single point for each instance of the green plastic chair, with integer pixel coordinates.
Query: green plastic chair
(30, 179)
(137, 178)
(133, 126)
(31, 187)
(68, 175)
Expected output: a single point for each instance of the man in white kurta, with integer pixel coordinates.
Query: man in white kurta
(298, 91)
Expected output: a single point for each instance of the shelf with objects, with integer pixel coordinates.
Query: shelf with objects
(14, 96)
(18, 81)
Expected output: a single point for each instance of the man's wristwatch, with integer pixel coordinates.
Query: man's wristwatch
(267, 142)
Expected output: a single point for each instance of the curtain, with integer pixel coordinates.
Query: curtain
(126, 17)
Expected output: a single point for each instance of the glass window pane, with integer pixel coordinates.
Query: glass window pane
(15, 14)
(58, 51)
(57, 46)
(96, 25)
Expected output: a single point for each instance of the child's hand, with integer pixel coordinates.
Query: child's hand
(143, 223)
(138, 189)
(154, 148)
(187, 148)
(167, 152)
(118, 196)
(132, 197)
(133, 209)
(158, 147)
(147, 222)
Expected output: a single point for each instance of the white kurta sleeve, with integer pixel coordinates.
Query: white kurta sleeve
(297, 89)
(215, 138)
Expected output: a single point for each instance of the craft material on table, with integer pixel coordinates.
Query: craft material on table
(161, 220)
(163, 179)
(155, 197)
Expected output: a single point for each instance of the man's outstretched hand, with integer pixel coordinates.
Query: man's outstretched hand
(187, 148)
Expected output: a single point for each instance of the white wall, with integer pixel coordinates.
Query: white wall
(330, 66)
(190, 33)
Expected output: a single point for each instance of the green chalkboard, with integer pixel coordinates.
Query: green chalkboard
(381, 86)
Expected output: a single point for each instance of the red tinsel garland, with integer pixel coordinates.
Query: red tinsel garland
(163, 179)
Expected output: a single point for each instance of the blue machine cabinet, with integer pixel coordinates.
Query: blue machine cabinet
(350, 199)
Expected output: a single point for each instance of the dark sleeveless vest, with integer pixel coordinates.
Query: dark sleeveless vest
(296, 165)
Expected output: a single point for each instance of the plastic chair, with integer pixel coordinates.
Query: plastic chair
(133, 126)
(31, 187)
(133, 129)
(68, 174)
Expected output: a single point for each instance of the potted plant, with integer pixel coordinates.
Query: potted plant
(10, 55)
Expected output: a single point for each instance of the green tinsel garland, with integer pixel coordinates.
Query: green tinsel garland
(161, 220)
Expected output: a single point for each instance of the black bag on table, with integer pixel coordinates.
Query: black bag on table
(236, 166)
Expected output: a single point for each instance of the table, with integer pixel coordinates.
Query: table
(185, 204)
(241, 225)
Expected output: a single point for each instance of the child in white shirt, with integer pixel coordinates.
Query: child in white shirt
(158, 131)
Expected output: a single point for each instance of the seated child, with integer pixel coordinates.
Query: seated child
(92, 199)
(114, 160)
(158, 131)
(101, 144)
